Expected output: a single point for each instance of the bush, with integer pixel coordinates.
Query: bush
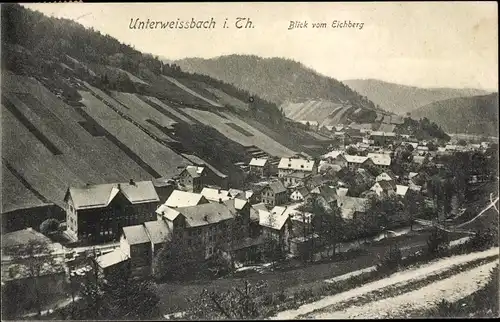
(49, 226)
(437, 243)
(391, 261)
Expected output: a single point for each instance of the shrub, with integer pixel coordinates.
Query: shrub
(49, 226)
(437, 243)
(391, 261)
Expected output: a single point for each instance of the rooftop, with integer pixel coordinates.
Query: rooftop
(101, 195)
(111, 258)
(258, 162)
(296, 164)
(136, 234)
(180, 198)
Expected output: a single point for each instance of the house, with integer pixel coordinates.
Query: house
(191, 178)
(164, 187)
(215, 195)
(18, 273)
(274, 194)
(180, 198)
(99, 212)
(289, 165)
(300, 194)
(260, 167)
(380, 160)
(316, 181)
(112, 262)
(351, 207)
(356, 161)
(382, 138)
(418, 159)
(384, 188)
(212, 175)
(386, 175)
(335, 157)
(136, 245)
(401, 190)
(296, 178)
(276, 224)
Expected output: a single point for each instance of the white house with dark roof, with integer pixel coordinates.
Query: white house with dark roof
(300, 194)
(98, 212)
(289, 165)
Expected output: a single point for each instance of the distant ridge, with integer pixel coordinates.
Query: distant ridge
(401, 99)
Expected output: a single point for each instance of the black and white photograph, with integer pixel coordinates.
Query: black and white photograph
(249, 160)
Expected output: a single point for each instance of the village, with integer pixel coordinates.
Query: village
(295, 208)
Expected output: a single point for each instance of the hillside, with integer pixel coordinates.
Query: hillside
(281, 81)
(401, 99)
(474, 115)
(99, 111)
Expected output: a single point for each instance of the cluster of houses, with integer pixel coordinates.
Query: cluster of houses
(198, 211)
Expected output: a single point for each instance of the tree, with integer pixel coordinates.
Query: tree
(175, 260)
(49, 226)
(34, 259)
(437, 242)
(351, 150)
(239, 303)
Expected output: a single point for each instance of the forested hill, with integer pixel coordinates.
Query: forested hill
(401, 99)
(32, 43)
(278, 80)
(473, 115)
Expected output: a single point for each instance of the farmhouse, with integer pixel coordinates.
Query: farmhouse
(180, 198)
(274, 194)
(386, 175)
(99, 212)
(300, 194)
(191, 178)
(260, 167)
(384, 188)
(289, 165)
(274, 224)
(356, 161)
(351, 207)
(296, 178)
(380, 160)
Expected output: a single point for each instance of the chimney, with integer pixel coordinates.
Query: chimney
(205, 217)
(119, 186)
(131, 182)
(220, 200)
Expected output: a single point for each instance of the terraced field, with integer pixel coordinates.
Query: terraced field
(258, 139)
(226, 99)
(325, 112)
(174, 114)
(190, 91)
(163, 160)
(141, 110)
(266, 141)
(132, 77)
(15, 195)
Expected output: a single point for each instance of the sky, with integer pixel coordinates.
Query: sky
(425, 44)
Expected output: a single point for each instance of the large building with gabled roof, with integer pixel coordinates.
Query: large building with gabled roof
(99, 212)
